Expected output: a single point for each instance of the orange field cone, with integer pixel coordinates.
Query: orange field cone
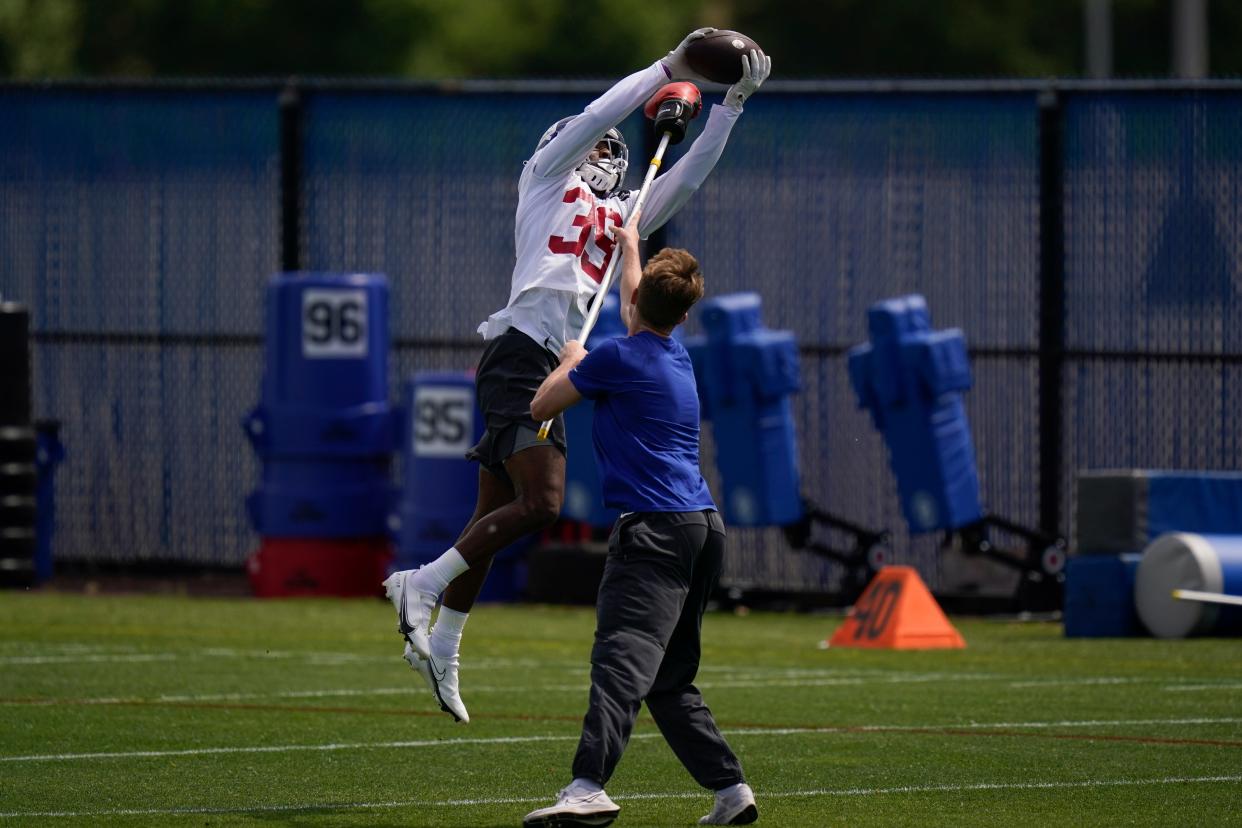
(897, 612)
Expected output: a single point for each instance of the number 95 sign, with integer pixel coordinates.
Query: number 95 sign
(443, 420)
(334, 323)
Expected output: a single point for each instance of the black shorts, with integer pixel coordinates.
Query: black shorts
(512, 368)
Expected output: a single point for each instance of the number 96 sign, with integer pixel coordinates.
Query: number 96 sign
(334, 323)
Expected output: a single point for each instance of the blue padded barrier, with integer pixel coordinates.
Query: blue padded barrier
(745, 376)
(1099, 596)
(1209, 564)
(439, 485)
(324, 427)
(909, 379)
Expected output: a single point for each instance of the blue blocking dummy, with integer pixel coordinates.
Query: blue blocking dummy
(584, 500)
(324, 429)
(746, 374)
(439, 485)
(910, 379)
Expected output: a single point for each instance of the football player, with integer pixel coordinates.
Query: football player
(569, 201)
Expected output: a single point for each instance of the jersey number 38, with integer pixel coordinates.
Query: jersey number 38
(594, 223)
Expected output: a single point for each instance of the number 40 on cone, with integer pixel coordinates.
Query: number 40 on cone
(897, 612)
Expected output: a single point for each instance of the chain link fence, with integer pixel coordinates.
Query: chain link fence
(140, 225)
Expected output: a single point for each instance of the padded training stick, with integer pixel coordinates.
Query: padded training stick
(1207, 597)
(606, 282)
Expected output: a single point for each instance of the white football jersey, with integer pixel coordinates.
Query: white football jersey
(563, 230)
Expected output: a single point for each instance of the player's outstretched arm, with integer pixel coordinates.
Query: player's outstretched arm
(557, 392)
(577, 138)
(671, 190)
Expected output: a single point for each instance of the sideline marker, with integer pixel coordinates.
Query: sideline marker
(897, 612)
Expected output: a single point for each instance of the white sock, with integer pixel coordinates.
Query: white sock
(446, 634)
(435, 576)
(588, 785)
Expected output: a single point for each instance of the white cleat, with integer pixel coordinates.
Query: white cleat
(576, 806)
(734, 806)
(414, 607)
(441, 676)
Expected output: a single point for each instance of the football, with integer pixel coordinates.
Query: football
(718, 56)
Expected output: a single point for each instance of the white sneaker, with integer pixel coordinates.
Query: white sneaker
(441, 676)
(576, 806)
(735, 805)
(414, 607)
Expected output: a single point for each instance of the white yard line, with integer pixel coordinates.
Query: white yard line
(331, 746)
(1084, 681)
(502, 740)
(519, 800)
(87, 659)
(417, 688)
(1084, 723)
(408, 690)
(734, 676)
(744, 681)
(67, 655)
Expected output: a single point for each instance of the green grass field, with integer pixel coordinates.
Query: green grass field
(186, 711)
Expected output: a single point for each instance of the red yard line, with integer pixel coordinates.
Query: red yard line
(1086, 737)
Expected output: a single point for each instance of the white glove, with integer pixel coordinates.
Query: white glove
(755, 70)
(675, 61)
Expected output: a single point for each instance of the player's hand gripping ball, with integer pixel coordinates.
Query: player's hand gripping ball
(718, 55)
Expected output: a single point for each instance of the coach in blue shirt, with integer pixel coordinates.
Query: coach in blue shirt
(665, 552)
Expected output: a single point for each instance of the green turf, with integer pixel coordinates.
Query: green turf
(286, 712)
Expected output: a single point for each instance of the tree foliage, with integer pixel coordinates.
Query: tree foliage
(558, 38)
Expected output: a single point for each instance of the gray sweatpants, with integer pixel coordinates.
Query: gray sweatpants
(661, 569)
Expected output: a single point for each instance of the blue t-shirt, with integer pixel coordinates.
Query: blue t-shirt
(646, 430)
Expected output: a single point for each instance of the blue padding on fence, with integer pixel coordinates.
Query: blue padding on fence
(130, 215)
(1151, 221)
(1203, 502)
(139, 212)
(826, 204)
(145, 213)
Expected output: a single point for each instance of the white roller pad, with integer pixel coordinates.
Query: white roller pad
(1177, 560)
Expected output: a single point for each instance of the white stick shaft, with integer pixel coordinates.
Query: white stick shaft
(606, 282)
(1207, 597)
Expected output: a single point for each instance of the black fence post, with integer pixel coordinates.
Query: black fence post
(290, 177)
(1051, 310)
